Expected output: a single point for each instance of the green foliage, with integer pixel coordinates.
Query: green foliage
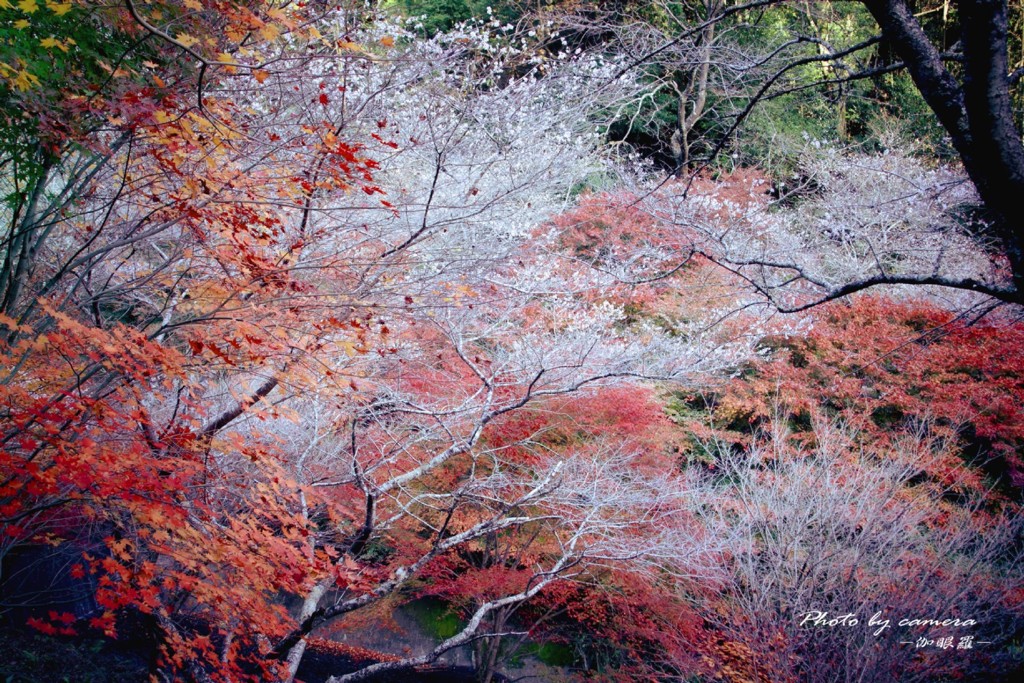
(437, 15)
(685, 409)
(435, 617)
(46, 53)
(778, 130)
(812, 102)
(556, 654)
(441, 15)
(598, 181)
(58, 59)
(897, 98)
(376, 552)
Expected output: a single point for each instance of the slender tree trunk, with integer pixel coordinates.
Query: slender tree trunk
(692, 97)
(309, 606)
(492, 648)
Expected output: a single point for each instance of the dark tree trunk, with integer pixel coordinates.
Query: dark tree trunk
(977, 114)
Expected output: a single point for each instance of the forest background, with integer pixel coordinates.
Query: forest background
(629, 337)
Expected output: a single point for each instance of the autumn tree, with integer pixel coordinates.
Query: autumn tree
(265, 315)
